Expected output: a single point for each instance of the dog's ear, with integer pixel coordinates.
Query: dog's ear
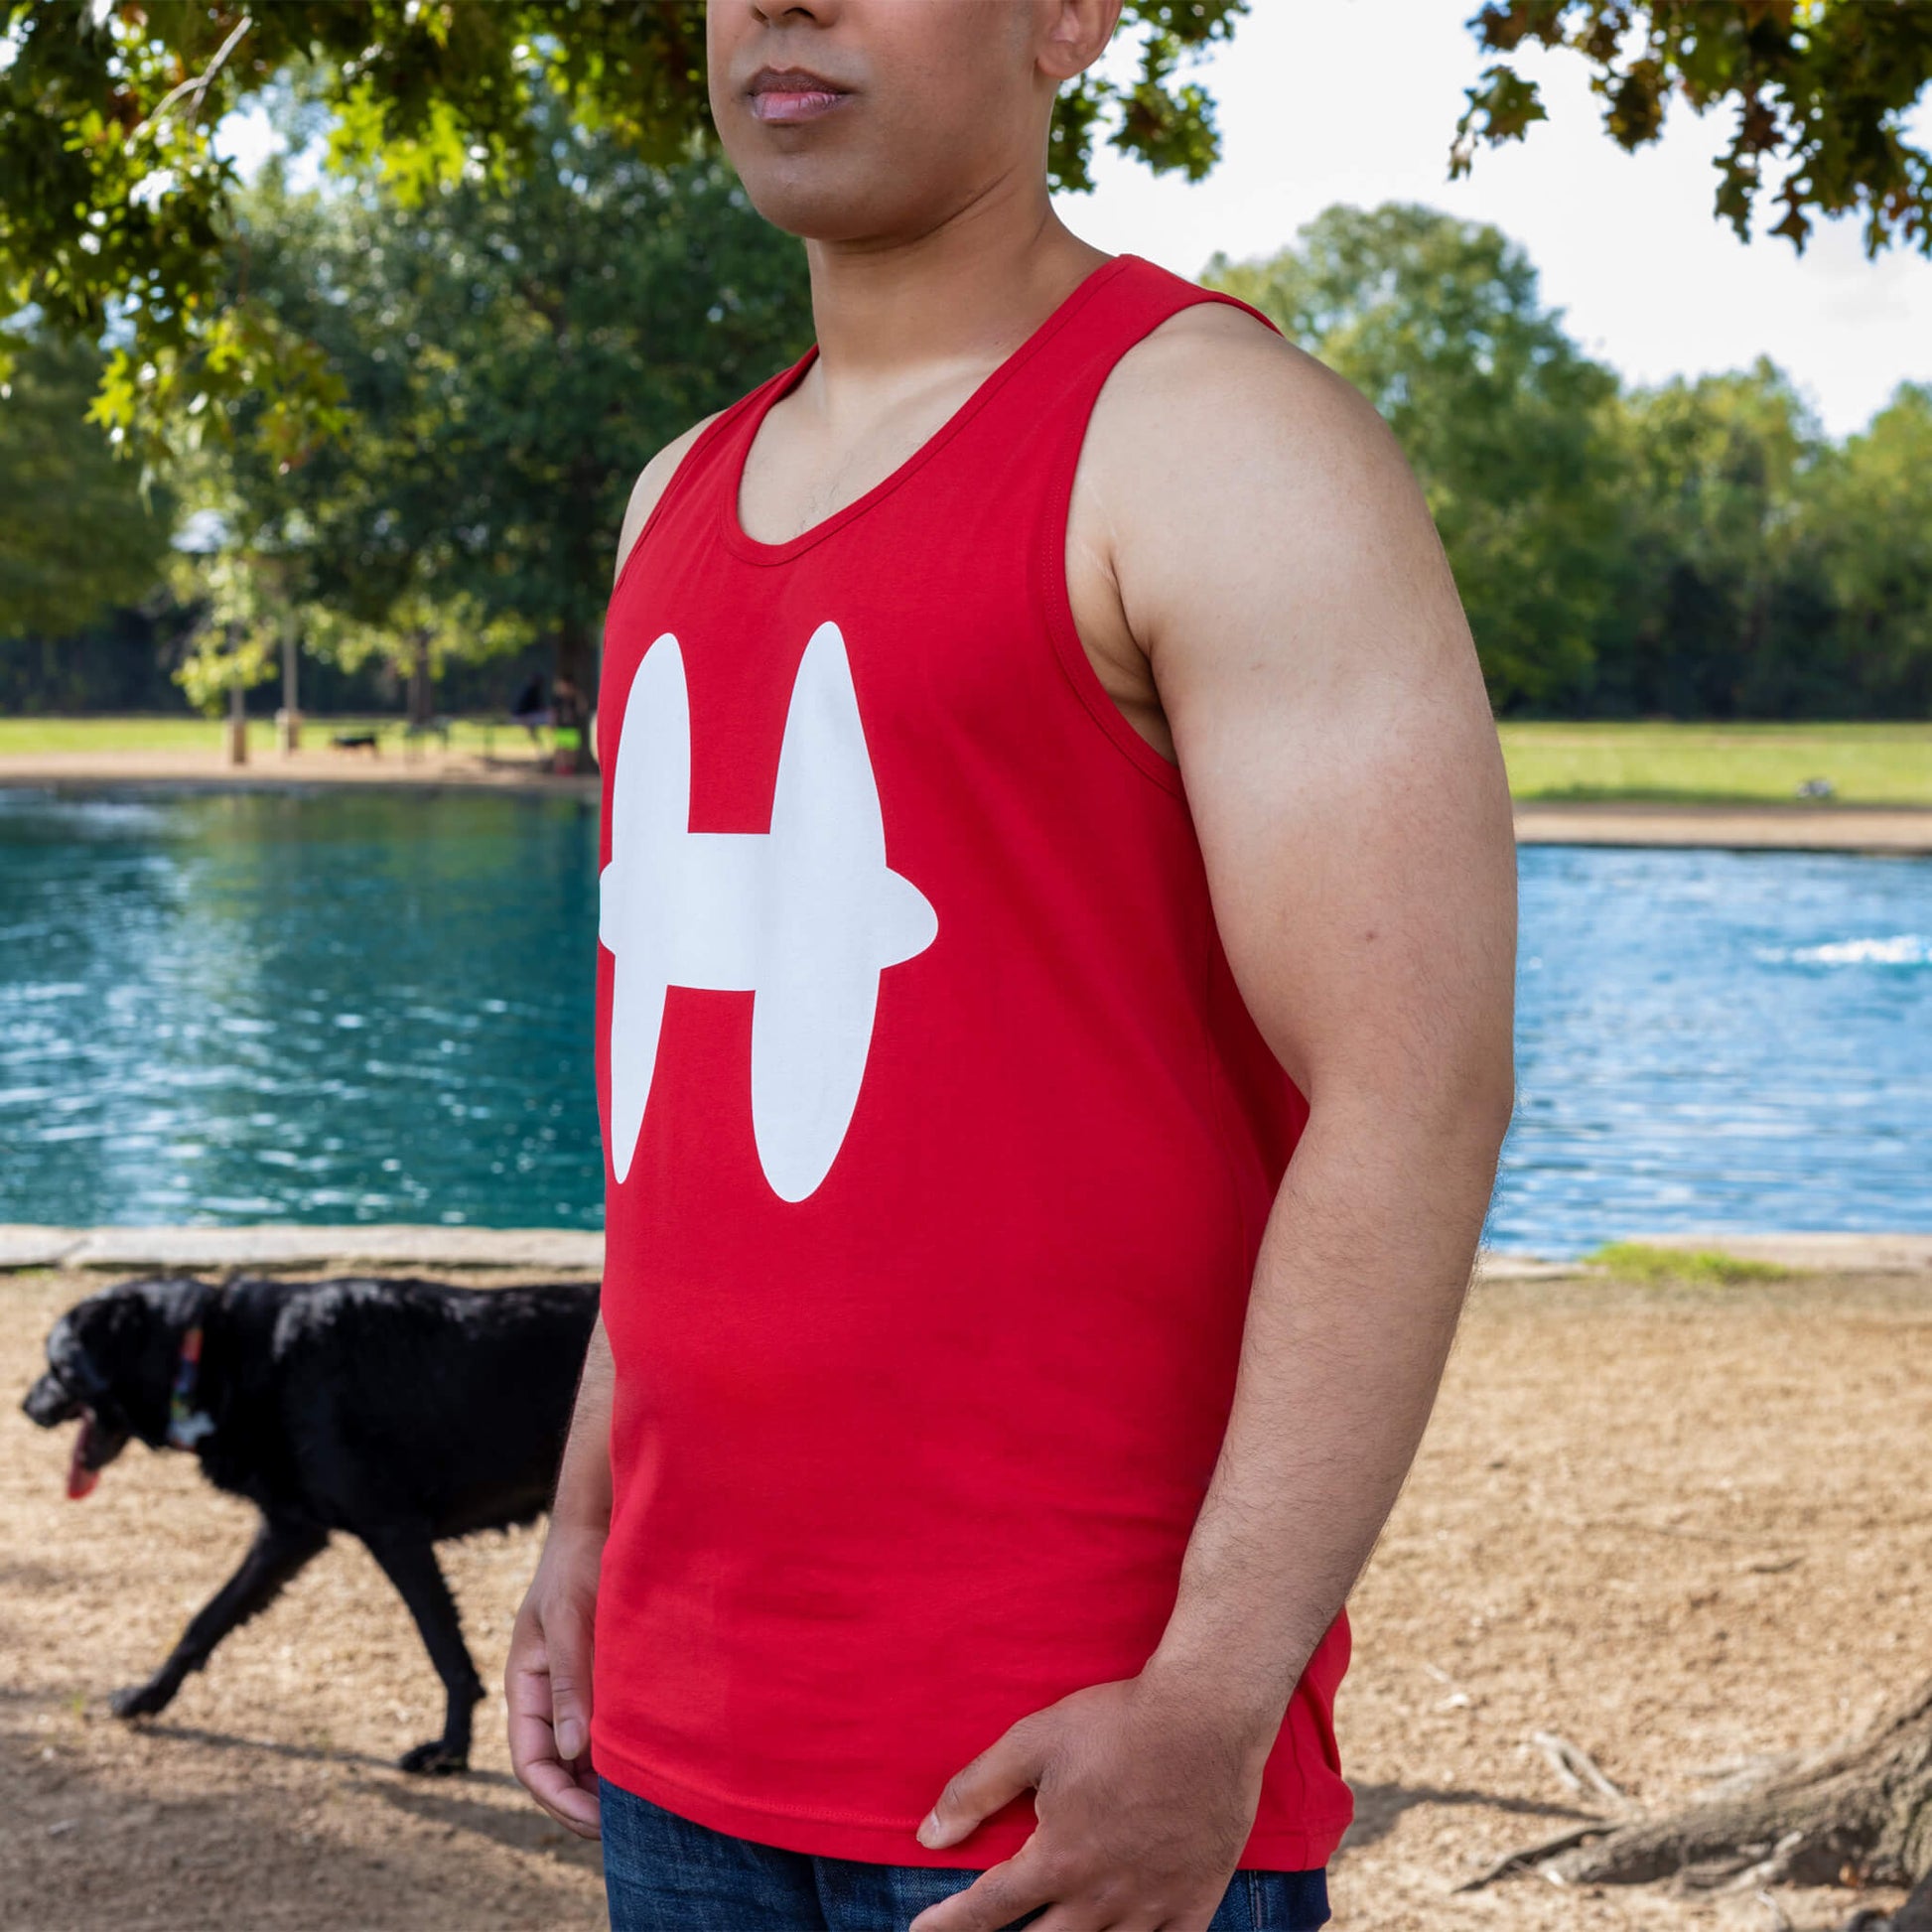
(118, 1351)
(70, 1357)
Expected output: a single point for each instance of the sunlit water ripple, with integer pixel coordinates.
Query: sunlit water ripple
(354, 1006)
(1722, 1040)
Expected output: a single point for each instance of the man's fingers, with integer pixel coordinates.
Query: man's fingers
(555, 1787)
(531, 1738)
(553, 1782)
(993, 1901)
(569, 1694)
(994, 1778)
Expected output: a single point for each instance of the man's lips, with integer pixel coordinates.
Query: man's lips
(787, 97)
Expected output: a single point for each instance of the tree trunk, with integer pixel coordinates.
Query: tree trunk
(422, 688)
(288, 721)
(236, 730)
(1915, 1915)
(1860, 1811)
(571, 698)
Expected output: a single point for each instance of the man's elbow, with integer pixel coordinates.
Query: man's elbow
(1456, 1103)
(1491, 1109)
(1489, 1096)
(1470, 1107)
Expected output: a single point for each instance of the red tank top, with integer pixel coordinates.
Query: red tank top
(938, 1141)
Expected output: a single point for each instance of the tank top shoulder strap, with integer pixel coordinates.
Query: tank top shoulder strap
(1053, 382)
(713, 460)
(1025, 453)
(1132, 298)
(1043, 407)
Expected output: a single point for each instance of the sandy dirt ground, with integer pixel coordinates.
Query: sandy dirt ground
(1678, 1527)
(426, 765)
(1900, 830)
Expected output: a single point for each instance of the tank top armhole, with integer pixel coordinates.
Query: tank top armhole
(1050, 549)
(703, 446)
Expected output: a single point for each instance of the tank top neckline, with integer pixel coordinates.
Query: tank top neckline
(752, 550)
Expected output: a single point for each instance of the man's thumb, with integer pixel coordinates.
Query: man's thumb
(994, 1778)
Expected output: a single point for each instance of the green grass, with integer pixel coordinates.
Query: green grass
(27, 737)
(1869, 764)
(24, 737)
(1634, 1261)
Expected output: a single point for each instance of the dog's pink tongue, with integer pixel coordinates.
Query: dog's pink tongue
(81, 1478)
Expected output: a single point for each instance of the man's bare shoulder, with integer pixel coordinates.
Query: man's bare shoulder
(1217, 391)
(1233, 472)
(652, 481)
(1217, 343)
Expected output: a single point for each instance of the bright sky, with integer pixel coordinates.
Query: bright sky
(1356, 101)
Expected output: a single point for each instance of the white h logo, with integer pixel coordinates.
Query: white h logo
(805, 916)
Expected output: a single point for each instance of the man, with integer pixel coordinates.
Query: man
(567, 723)
(530, 711)
(1047, 781)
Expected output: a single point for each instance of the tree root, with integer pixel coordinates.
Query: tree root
(1859, 1813)
(1915, 1915)
(1577, 1768)
(1529, 1858)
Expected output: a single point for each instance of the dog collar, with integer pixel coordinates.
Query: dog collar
(186, 1424)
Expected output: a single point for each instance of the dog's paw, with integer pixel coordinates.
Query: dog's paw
(435, 1759)
(140, 1700)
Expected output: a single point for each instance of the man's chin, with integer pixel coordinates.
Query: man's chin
(816, 201)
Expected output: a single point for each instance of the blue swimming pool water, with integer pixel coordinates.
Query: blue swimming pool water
(1719, 1040)
(331, 1007)
(347, 1006)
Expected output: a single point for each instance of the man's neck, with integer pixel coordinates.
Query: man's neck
(970, 289)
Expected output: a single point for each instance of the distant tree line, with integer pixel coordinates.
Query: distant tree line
(392, 419)
(128, 661)
(504, 364)
(500, 365)
(98, 621)
(1699, 550)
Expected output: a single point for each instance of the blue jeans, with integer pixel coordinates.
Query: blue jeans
(663, 1874)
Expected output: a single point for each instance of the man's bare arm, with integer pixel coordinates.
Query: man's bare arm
(1275, 563)
(583, 1496)
(1342, 767)
(547, 1678)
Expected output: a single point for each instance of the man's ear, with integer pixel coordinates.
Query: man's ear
(1077, 36)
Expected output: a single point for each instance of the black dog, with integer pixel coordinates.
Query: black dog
(400, 1411)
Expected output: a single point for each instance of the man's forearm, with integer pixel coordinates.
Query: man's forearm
(584, 1478)
(549, 1675)
(1357, 1288)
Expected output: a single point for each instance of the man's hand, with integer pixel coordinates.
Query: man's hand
(1144, 1796)
(548, 1678)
